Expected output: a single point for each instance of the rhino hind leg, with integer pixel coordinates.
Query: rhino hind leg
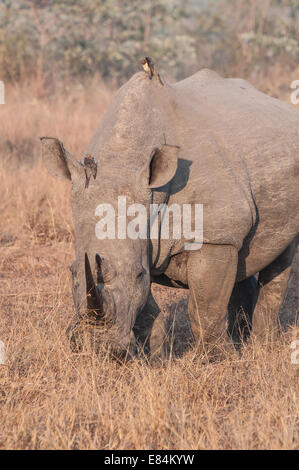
(272, 283)
(240, 310)
(211, 278)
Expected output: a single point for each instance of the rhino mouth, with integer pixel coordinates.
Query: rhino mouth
(99, 320)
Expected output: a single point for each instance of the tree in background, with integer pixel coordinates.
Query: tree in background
(53, 40)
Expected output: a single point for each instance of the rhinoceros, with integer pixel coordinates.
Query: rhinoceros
(206, 140)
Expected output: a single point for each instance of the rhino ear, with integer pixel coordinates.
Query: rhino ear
(59, 162)
(162, 166)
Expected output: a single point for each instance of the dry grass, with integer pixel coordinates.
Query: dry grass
(51, 398)
(70, 116)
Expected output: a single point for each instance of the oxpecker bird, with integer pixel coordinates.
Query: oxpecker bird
(90, 168)
(149, 67)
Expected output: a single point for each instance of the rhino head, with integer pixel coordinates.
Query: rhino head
(111, 277)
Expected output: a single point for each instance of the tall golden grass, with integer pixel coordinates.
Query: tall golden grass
(51, 398)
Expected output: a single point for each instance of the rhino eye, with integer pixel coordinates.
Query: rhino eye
(73, 268)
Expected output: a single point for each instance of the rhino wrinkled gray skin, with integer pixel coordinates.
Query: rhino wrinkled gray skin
(208, 140)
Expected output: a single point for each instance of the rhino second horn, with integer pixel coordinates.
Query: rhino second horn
(94, 299)
(100, 279)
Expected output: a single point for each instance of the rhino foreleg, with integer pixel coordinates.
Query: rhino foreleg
(143, 328)
(211, 277)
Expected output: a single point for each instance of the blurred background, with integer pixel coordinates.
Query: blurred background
(51, 41)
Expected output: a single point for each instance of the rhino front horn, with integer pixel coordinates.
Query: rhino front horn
(94, 299)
